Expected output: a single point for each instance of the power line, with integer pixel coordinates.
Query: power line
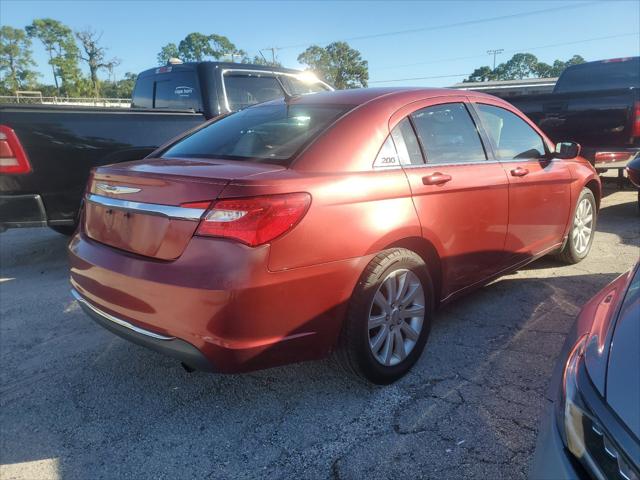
(451, 25)
(422, 78)
(523, 49)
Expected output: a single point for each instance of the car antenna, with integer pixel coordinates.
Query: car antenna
(287, 96)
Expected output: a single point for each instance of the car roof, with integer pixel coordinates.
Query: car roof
(359, 96)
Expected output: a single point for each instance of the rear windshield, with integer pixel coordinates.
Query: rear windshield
(246, 89)
(267, 133)
(600, 76)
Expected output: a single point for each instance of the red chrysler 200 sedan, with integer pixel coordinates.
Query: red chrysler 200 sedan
(333, 221)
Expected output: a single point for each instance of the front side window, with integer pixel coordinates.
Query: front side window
(512, 137)
(448, 134)
(267, 133)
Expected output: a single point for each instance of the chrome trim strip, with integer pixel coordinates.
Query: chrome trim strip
(116, 320)
(269, 73)
(168, 211)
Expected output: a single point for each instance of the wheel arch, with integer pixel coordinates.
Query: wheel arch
(429, 255)
(596, 188)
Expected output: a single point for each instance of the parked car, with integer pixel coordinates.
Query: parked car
(633, 172)
(592, 428)
(335, 220)
(46, 151)
(596, 104)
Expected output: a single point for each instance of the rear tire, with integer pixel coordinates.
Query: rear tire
(583, 229)
(389, 317)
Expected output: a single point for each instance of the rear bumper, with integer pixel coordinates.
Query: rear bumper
(170, 346)
(612, 158)
(22, 211)
(219, 298)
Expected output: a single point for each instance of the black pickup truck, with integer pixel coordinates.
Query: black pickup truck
(47, 151)
(596, 104)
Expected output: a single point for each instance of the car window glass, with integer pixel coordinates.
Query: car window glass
(143, 93)
(388, 155)
(246, 89)
(407, 144)
(177, 90)
(296, 86)
(448, 134)
(268, 133)
(512, 137)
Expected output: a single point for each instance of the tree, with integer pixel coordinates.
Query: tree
(15, 60)
(337, 63)
(170, 50)
(121, 88)
(94, 56)
(481, 74)
(197, 47)
(59, 43)
(522, 65)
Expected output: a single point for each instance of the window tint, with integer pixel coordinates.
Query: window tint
(178, 91)
(246, 89)
(448, 134)
(268, 133)
(512, 137)
(407, 143)
(143, 93)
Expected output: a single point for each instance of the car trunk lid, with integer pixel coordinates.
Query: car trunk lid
(152, 207)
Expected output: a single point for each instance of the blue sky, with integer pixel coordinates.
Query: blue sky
(439, 39)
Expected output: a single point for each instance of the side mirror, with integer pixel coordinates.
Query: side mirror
(567, 150)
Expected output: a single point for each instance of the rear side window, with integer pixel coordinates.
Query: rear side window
(407, 143)
(605, 75)
(143, 93)
(177, 90)
(265, 133)
(400, 148)
(448, 134)
(512, 137)
(174, 90)
(246, 89)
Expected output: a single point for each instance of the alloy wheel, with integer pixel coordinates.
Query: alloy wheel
(582, 226)
(396, 317)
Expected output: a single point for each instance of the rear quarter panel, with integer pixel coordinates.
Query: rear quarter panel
(351, 214)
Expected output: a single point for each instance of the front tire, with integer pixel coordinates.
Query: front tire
(389, 317)
(583, 228)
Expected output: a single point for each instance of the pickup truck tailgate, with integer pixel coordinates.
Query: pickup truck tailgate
(153, 207)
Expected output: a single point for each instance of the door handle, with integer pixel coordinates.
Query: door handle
(436, 179)
(519, 172)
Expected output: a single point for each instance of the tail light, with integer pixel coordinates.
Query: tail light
(13, 159)
(253, 220)
(636, 120)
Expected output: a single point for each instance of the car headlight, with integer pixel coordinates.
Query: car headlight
(582, 432)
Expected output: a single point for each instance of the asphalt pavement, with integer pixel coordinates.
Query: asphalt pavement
(76, 402)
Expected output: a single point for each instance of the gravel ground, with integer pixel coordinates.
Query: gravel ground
(77, 402)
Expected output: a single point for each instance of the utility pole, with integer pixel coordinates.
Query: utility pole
(273, 53)
(495, 52)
